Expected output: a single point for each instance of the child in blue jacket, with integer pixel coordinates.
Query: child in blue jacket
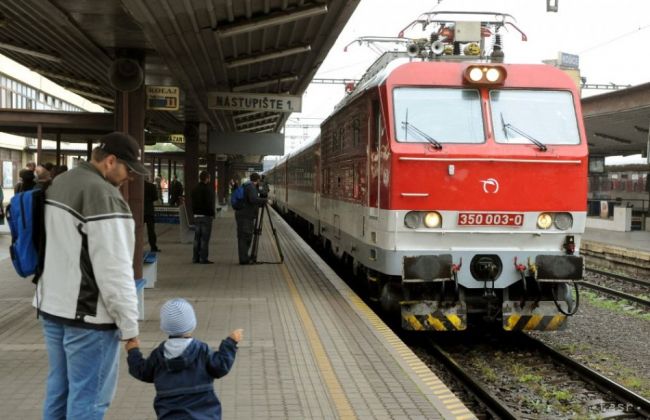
(183, 368)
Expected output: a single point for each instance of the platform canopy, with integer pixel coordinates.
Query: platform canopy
(200, 46)
(617, 123)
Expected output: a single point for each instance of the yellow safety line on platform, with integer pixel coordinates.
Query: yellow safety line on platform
(339, 398)
(449, 400)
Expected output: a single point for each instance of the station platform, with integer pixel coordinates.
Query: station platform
(635, 240)
(311, 350)
(622, 252)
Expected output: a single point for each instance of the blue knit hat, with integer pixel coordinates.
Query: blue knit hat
(177, 317)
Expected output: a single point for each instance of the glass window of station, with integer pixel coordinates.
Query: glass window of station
(17, 95)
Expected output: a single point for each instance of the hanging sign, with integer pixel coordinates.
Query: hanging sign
(163, 98)
(233, 101)
(177, 138)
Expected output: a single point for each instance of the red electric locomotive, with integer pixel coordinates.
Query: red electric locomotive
(456, 184)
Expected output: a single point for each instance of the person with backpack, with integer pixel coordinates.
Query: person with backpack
(246, 203)
(86, 296)
(203, 204)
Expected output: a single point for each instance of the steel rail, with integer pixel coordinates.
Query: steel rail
(619, 277)
(639, 404)
(492, 403)
(616, 293)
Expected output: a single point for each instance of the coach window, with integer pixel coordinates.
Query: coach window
(445, 115)
(547, 116)
(355, 132)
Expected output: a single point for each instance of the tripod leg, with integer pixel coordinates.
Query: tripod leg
(257, 232)
(275, 235)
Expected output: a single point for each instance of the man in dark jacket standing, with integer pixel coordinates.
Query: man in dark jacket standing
(175, 191)
(246, 216)
(150, 197)
(203, 203)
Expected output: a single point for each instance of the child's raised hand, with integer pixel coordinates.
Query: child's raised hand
(237, 335)
(133, 343)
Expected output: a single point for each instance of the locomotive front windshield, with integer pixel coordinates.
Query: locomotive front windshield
(546, 116)
(438, 115)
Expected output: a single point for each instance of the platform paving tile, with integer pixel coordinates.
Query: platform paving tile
(276, 374)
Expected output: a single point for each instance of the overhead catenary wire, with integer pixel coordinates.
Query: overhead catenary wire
(602, 44)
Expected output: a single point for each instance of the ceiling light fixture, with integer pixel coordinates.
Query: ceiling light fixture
(27, 51)
(267, 56)
(271, 20)
(255, 85)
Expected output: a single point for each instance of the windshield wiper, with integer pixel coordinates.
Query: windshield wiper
(414, 130)
(507, 126)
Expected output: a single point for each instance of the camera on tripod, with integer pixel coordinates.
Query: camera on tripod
(263, 188)
(257, 233)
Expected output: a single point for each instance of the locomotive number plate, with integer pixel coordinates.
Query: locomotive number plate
(490, 219)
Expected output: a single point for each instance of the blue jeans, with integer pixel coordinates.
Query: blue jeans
(202, 238)
(83, 371)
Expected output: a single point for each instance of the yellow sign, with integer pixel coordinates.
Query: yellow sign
(177, 138)
(163, 98)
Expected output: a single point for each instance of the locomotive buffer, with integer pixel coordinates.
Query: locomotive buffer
(257, 233)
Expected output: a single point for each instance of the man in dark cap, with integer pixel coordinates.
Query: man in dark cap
(86, 296)
(27, 181)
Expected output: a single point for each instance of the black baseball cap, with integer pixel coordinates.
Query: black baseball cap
(125, 148)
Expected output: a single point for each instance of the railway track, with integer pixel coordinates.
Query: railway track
(619, 277)
(580, 388)
(616, 293)
(630, 399)
(493, 405)
(629, 283)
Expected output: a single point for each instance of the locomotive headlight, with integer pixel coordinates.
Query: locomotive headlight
(412, 220)
(563, 221)
(432, 219)
(492, 75)
(544, 221)
(484, 75)
(475, 74)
